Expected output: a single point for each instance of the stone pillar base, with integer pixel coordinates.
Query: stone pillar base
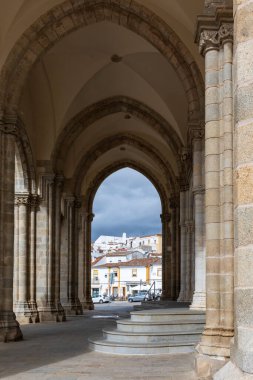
(9, 327)
(26, 312)
(185, 296)
(87, 305)
(51, 313)
(199, 301)
(34, 312)
(206, 366)
(73, 307)
(231, 372)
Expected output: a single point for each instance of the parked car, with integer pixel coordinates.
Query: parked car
(100, 299)
(138, 297)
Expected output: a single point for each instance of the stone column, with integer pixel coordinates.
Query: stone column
(174, 253)
(166, 257)
(46, 258)
(34, 202)
(87, 300)
(183, 245)
(215, 343)
(76, 262)
(199, 297)
(58, 194)
(241, 366)
(70, 302)
(16, 258)
(21, 306)
(9, 327)
(212, 174)
(178, 249)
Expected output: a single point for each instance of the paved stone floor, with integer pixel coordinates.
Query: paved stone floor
(60, 352)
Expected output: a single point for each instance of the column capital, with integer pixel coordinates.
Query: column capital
(198, 190)
(226, 33)
(59, 180)
(165, 217)
(34, 200)
(78, 202)
(89, 216)
(9, 129)
(215, 27)
(209, 40)
(196, 132)
(22, 199)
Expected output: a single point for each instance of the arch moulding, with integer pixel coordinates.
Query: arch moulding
(69, 16)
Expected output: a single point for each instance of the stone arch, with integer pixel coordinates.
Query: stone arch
(112, 142)
(107, 107)
(110, 169)
(67, 17)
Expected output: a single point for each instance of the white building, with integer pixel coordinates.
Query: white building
(118, 277)
(148, 243)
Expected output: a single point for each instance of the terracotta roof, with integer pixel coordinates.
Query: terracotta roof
(97, 260)
(134, 263)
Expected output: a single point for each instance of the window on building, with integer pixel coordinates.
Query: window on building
(159, 272)
(115, 273)
(134, 272)
(95, 273)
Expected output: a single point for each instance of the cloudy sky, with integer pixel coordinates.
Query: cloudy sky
(126, 202)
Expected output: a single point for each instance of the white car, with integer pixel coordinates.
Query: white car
(100, 299)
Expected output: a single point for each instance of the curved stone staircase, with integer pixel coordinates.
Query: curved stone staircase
(153, 332)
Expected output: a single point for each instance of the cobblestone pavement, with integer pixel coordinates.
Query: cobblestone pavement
(59, 351)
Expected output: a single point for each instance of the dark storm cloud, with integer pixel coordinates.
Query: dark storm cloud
(126, 202)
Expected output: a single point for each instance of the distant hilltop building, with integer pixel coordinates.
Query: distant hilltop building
(147, 243)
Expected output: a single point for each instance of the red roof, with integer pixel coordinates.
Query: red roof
(134, 263)
(97, 260)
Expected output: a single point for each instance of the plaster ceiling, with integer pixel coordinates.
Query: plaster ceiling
(78, 71)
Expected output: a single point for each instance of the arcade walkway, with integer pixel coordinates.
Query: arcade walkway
(60, 351)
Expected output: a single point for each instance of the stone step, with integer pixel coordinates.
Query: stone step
(149, 337)
(116, 348)
(166, 315)
(166, 327)
(153, 332)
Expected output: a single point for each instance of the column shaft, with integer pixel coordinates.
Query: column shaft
(9, 327)
(243, 108)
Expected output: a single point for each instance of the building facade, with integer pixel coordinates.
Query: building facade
(120, 275)
(78, 101)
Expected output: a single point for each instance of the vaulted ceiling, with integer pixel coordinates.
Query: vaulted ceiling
(97, 62)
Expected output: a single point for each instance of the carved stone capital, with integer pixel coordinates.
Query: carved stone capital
(198, 190)
(226, 32)
(78, 202)
(59, 180)
(22, 199)
(196, 133)
(209, 40)
(185, 155)
(89, 216)
(10, 129)
(34, 200)
(165, 217)
(70, 201)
